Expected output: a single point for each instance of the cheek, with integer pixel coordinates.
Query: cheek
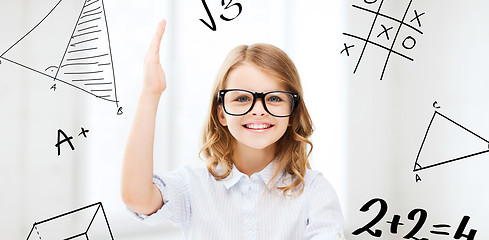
(282, 125)
(233, 125)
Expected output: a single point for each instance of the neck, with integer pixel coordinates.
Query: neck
(249, 160)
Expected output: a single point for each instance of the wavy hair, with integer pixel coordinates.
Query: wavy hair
(293, 148)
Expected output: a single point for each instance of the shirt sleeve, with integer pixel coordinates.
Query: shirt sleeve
(325, 218)
(176, 204)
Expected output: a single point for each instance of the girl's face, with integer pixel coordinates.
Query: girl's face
(257, 129)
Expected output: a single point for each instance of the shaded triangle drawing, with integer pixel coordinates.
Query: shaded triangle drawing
(446, 141)
(70, 45)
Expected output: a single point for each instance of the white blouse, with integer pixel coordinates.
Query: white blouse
(241, 207)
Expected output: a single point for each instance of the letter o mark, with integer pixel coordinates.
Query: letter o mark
(370, 2)
(411, 46)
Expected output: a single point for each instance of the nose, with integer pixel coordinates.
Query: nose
(259, 108)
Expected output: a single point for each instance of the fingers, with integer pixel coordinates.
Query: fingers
(154, 47)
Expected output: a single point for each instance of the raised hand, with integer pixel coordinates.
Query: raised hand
(137, 189)
(154, 76)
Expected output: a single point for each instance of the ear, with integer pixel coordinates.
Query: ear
(221, 116)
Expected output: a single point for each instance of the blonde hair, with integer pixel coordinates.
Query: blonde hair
(292, 151)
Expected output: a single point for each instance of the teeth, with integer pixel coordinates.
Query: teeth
(257, 126)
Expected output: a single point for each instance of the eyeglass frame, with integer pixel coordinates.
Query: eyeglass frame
(261, 95)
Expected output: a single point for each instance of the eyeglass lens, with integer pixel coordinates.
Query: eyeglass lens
(277, 103)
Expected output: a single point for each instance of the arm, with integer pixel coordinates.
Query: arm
(137, 189)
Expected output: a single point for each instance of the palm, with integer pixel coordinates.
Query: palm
(154, 76)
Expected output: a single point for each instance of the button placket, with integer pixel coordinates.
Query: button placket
(249, 193)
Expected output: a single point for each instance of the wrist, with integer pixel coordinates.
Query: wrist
(151, 93)
(148, 97)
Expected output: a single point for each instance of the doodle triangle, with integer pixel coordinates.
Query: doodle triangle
(71, 45)
(447, 141)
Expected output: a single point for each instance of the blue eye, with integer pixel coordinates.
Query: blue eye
(242, 99)
(274, 99)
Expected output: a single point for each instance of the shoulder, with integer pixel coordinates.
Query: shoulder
(311, 175)
(192, 170)
(187, 174)
(317, 184)
(314, 178)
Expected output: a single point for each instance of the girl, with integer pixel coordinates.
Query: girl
(258, 183)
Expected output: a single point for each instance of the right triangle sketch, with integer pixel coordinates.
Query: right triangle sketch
(70, 45)
(447, 141)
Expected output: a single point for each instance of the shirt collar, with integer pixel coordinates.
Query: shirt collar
(233, 177)
(265, 175)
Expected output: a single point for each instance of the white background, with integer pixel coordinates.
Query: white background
(367, 131)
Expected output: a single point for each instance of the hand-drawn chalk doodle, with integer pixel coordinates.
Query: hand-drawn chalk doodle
(88, 222)
(447, 141)
(63, 138)
(74, 51)
(419, 215)
(227, 6)
(384, 33)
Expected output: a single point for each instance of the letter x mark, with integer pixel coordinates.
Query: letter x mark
(346, 49)
(385, 31)
(417, 17)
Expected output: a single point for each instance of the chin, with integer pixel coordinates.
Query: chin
(258, 145)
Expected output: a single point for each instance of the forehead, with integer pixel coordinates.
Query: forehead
(249, 77)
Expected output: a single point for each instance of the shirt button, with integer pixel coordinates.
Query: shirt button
(250, 227)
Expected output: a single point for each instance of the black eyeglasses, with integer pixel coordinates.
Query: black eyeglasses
(238, 102)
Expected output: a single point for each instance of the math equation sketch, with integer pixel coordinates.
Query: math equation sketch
(417, 219)
(71, 47)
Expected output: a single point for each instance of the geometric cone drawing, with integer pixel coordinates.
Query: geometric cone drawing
(86, 223)
(446, 141)
(72, 46)
(46, 41)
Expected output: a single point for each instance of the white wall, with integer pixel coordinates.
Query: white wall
(367, 132)
(388, 118)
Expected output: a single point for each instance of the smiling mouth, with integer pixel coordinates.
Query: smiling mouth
(257, 126)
